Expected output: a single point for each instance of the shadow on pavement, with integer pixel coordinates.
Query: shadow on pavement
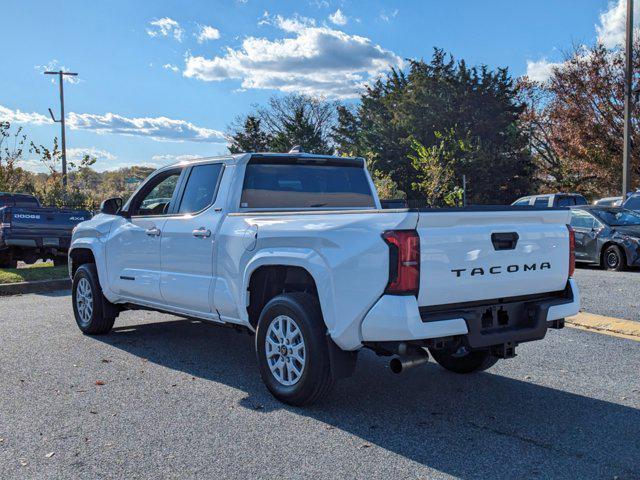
(467, 426)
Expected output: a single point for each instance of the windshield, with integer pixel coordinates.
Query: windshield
(618, 217)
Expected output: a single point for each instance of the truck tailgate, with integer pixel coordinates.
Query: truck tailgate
(47, 220)
(468, 256)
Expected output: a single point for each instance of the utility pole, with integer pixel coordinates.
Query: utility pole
(628, 103)
(61, 75)
(464, 190)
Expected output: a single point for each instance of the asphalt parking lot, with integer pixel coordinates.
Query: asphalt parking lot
(161, 397)
(614, 294)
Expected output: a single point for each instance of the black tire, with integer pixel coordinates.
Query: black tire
(60, 261)
(464, 362)
(8, 262)
(315, 381)
(98, 322)
(613, 259)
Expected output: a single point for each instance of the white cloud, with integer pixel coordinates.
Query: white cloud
(169, 66)
(53, 66)
(541, 70)
(18, 116)
(338, 18)
(387, 17)
(76, 154)
(313, 60)
(157, 128)
(164, 27)
(165, 159)
(613, 23)
(207, 33)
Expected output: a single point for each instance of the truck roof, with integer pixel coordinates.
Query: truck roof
(242, 158)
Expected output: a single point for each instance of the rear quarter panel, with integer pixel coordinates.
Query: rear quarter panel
(343, 252)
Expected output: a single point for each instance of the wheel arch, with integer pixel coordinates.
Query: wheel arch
(292, 270)
(608, 244)
(87, 251)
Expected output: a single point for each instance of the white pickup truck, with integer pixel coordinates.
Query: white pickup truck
(296, 249)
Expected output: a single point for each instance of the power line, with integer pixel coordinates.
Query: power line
(61, 75)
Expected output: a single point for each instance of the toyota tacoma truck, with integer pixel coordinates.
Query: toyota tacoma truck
(296, 249)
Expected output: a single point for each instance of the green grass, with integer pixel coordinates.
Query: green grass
(39, 271)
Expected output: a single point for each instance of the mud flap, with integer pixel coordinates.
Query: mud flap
(343, 362)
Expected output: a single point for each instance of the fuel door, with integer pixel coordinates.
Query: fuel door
(250, 237)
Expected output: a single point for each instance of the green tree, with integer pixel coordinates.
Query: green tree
(13, 178)
(51, 191)
(436, 168)
(249, 137)
(387, 189)
(479, 104)
(284, 122)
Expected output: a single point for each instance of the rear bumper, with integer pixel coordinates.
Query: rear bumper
(398, 318)
(41, 241)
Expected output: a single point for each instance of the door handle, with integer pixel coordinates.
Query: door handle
(153, 232)
(202, 232)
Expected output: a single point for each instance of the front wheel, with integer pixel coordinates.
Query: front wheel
(89, 303)
(613, 258)
(292, 350)
(463, 360)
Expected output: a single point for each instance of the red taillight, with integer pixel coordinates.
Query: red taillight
(404, 261)
(572, 250)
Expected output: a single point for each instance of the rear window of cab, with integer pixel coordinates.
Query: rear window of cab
(306, 186)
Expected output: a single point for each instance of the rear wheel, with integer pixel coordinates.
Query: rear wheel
(463, 360)
(613, 258)
(59, 261)
(8, 262)
(89, 303)
(292, 350)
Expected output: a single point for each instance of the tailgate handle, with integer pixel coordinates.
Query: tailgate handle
(504, 240)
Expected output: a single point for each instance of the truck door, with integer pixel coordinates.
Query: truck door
(133, 247)
(585, 228)
(187, 244)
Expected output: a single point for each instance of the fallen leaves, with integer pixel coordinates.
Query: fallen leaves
(99, 382)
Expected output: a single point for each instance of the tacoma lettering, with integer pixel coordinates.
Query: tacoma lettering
(499, 269)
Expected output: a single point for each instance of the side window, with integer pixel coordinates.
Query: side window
(201, 188)
(580, 219)
(541, 202)
(157, 200)
(566, 201)
(522, 202)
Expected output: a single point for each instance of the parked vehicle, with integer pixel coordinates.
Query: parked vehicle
(609, 202)
(607, 236)
(29, 232)
(552, 200)
(632, 202)
(296, 248)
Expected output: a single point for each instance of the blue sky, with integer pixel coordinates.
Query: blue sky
(162, 80)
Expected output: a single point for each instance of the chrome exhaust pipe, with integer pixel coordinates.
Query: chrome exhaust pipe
(417, 357)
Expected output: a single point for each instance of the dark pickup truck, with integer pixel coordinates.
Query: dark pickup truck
(30, 232)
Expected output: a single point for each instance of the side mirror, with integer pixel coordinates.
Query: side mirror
(111, 206)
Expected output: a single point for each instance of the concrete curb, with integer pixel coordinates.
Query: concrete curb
(616, 327)
(39, 286)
